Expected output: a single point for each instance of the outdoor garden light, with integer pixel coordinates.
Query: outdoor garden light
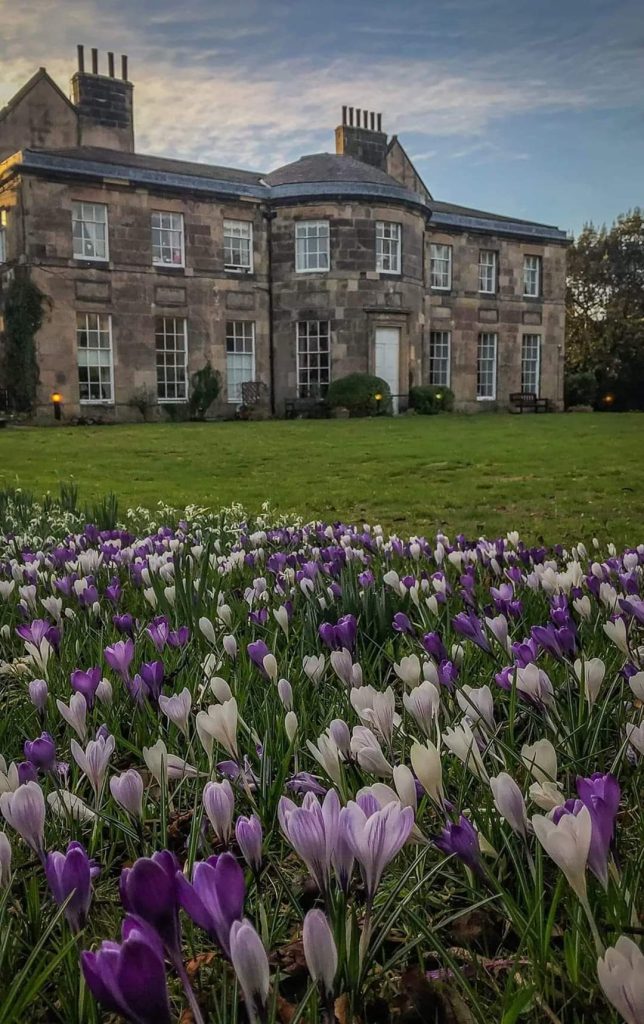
(56, 401)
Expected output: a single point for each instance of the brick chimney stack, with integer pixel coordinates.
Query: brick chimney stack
(361, 136)
(104, 104)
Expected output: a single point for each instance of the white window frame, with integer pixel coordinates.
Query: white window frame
(98, 330)
(535, 372)
(309, 330)
(388, 246)
(3, 236)
(485, 266)
(486, 338)
(237, 331)
(531, 284)
(440, 253)
(238, 231)
(167, 224)
(306, 233)
(84, 213)
(167, 334)
(442, 362)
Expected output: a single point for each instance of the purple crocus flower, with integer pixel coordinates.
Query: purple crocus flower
(375, 837)
(525, 653)
(304, 782)
(343, 634)
(151, 674)
(39, 630)
(258, 617)
(149, 890)
(215, 898)
(179, 637)
(114, 590)
(505, 676)
(124, 623)
(158, 631)
(601, 795)
(401, 624)
(257, 651)
(129, 978)
(634, 606)
(86, 682)
(462, 840)
(41, 752)
(70, 875)
(434, 646)
(119, 656)
(469, 626)
(27, 772)
(366, 578)
(559, 642)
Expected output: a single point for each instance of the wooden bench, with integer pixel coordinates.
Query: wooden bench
(305, 408)
(527, 401)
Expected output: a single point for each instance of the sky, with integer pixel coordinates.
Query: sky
(529, 108)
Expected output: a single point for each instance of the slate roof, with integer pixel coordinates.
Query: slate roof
(144, 161)
(329, 167)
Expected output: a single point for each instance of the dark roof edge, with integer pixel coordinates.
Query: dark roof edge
(491, 226)
(312, 191)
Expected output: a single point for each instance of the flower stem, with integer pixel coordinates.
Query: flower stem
(190, 996)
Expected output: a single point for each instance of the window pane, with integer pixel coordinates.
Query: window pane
(171, 358)
(486, 366)
(530, 363)
(441, 266)
(312, 245)
(439, 358)
(89, 231)
(94, 357)
(238, 245)
(167, 239)
(531, 276)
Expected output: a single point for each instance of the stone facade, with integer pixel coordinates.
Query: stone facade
(58, 154)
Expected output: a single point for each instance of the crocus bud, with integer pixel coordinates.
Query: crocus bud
(635, 736)
(405, 786)
(5, 861)
(69, 876)
(341, 736)
(221, 689)
(219, 804)
(207, 629)
(281, 618)
(509, 802)
(621, 976)
(290, 725)
(590, 674)
(320, 952)
(176, 708)
(313, 666)
(270, 666)
(230, 646)
(540, 758)
(251, 967)
(75, 714)
(285, 693)
(426, 762)
(38, 693)
(127, 790)
(104, 692)
(248, 833)
(24, 810)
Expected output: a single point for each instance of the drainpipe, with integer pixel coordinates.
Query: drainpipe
(269, 217)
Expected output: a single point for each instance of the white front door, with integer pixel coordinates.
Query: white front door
(388, 359)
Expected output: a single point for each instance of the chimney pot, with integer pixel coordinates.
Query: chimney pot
(351, 115)
(124, 67)
(372, 120)
(358, 117)
(94, 61)
(110, 64)
(365, 118)
(344, 115)
(81, 57)
(379, 120)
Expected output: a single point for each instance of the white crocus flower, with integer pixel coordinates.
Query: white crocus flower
(219, 723)
(68, 805)
(621, 976)
(590, 675)
(160, 763)
(635, 736)
(365, 746)
(423, 704)
(477, 704)
(509, 802)
(567, 843)
(75, 714)
(176, 708)
(313, 666)
(428, 767)
(583, 607)
(546, 795)
(221, 689)
(207, 630)
(93, 761)
(461, 741)
(636, 684)
(534, 683)
(616, 633)
(377, 709)
(408, 670)
(540, 758)
(327, 754)
(281, 617)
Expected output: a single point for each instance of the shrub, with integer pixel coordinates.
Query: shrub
(580, 388)
(205, 386)
(428, 400)
(357, 393)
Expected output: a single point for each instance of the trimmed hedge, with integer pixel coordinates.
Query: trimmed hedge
(428, 400)
(357, 393)
(580, 388)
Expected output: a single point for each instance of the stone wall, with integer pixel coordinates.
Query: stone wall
(466, 312)
(38, 116)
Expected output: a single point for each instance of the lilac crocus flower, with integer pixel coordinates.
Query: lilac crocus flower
(248, 833)
(179, 637)
(401, 624)
(41, 752)
(375, 836)
(469, 626)
(151, 674)
(158, 631)
(39, 630)
(124, 623)
(215, 898)
(304, 782)
(149, 890)
(251, 967)
(257, 651)
(601, 795)
(462, 840)
(114, 590)
(434, 646)
(24, 810)
(129, 978)
(86, 682)
(119, 656)
(312, 831)
(38, 693)
(634, 606)
(70, 875)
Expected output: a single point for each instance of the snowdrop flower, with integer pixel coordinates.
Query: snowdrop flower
(621, 976)
(461, 741)
(635, 736)
(408, 670)
(177, 709)
(477, 704)
(540, 759)
(590, 675)
(567, 843)
(427, 765)
(127, 790)
(219, 723)
(24, 810)
(616, 633)
(94, 760)
(68, 805)
(423, 704)
(161, 764)
(509, 802)
(313, 666)
(219, 805)
(75, 714)
(367, 750)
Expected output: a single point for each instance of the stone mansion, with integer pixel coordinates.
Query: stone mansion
(334, 264)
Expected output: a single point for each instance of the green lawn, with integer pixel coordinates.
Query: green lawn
(559, 477)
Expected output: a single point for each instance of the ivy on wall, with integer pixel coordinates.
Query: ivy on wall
(23, 317)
